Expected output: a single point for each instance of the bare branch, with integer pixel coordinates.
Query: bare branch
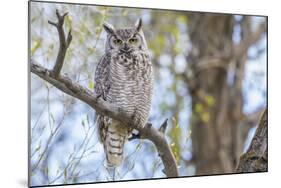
(251, 120)
(255, 159)
(66, 85)
(164, 149)
(249, 40)
(212, 62)
(50, 139)
(64, 42)
(163, 127)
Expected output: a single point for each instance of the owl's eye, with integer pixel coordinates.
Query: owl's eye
(117, 41)
(133, 40)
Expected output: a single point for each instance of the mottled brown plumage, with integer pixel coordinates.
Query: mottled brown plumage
(123, 77)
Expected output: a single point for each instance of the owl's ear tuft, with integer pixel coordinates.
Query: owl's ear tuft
(138, 24)
(108, 28)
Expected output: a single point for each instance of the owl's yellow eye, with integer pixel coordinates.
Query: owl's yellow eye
(117, 41)
(133, 40)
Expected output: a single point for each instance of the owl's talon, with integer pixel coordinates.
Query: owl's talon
(134, 136)
(100, 95)
(97, 96)
(103, 97)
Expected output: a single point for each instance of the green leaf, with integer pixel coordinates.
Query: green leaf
(47, 170)
(210, 100)
(176, 133)
(35, 45)
(182, 19)
(198, 108)
(68, 21)
(91, 84)
(205, 117)
(65, 173)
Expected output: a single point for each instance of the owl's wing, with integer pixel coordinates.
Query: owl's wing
(101, 88)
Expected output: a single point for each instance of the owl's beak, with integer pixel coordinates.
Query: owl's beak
(126, 48)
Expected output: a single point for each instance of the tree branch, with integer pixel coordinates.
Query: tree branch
(249, 40)
(64, 42)
(255, 159)
(251, 120)
(66, 85)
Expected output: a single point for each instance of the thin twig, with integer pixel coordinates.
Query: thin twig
(48, 144)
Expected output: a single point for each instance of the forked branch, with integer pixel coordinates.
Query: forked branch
(64, 42)
(66, 85)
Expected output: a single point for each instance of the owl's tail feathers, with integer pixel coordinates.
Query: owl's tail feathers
(114, 145)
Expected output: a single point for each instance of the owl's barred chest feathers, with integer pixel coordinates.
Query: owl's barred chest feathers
(131, 67)
(130, 78)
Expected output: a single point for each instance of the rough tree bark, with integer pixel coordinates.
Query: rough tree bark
(256, 157)
(66, 85)
(219, 127)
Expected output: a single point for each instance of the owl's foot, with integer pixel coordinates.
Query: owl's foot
(103, 95)
(138, 135)
(100, 95)
(134, 136)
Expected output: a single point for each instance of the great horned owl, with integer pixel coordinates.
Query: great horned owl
(124, 78)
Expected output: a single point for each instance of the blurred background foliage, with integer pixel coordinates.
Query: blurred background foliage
(207, 129)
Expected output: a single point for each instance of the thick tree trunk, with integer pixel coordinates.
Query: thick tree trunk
(212, 119)
(256, 159)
